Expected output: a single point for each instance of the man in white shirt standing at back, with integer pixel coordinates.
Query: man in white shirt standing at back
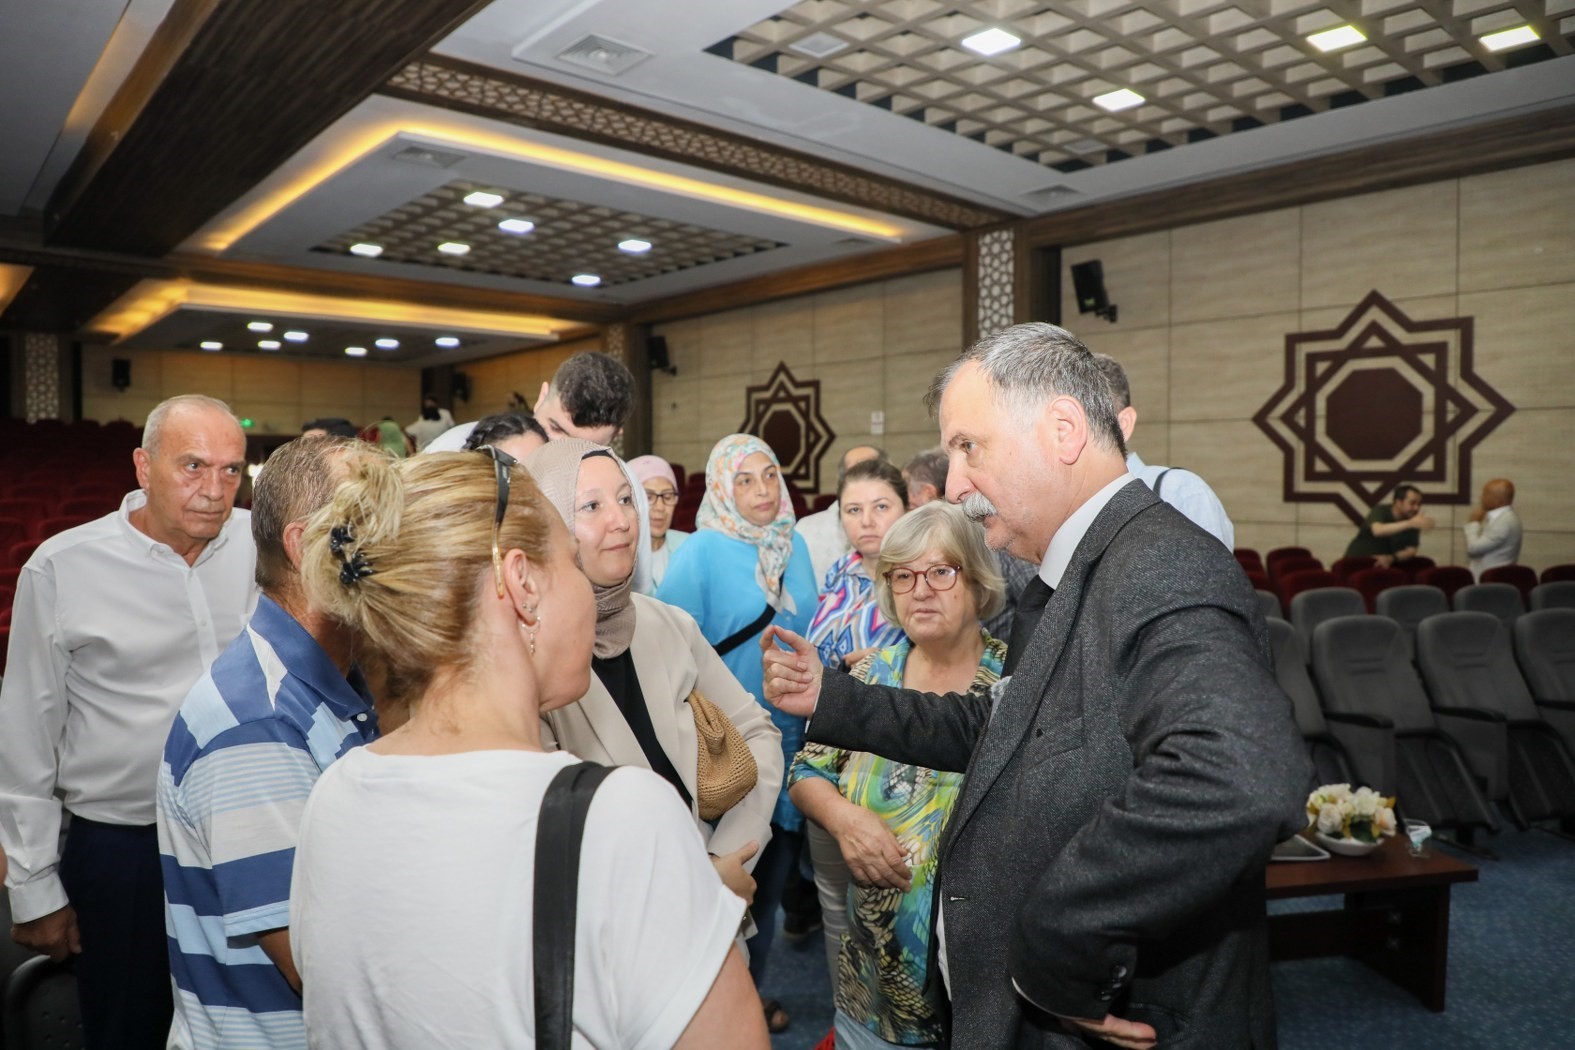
(1493, 533)
(1177, 486)
(112, 623)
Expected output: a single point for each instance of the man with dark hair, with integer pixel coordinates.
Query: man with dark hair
(252, 737)
(1179, 487)
(433, 421)
(112, 623)
(590, 397)
(1102, 874)
(329, 426)
(1392, 531)
(926, 476)
(822, 531)
(516, 432)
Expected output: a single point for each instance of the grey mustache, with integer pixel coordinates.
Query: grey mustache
(977, 508)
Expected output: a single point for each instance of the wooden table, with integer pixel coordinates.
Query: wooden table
(1395, 919)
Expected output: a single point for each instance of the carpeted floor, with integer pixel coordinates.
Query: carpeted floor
(1511, 970)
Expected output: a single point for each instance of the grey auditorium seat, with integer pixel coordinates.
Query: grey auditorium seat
(1345, 748)
(1270, 605)
(1409, 606)
(1560, 594)
(1360, 666)
(1545, 646)
(41, 1007)
(1496, 599)
(1467, 664)
(1311, 608)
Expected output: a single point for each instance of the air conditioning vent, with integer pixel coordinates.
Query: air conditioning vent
(603, 55)
(818, 45)
(1083, 147)
(428, 157)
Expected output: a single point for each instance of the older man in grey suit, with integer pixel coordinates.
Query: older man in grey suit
(1102, 872)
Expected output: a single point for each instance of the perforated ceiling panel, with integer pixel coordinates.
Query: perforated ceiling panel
(569, 238)
(1203, 67)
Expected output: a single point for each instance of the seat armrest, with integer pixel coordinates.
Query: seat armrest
(1551, 705)
(1475, 713)
(1351, 718)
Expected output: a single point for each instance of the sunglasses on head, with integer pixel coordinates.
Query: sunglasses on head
(503, 465)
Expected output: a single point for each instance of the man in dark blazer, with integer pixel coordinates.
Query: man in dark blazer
(1102, 874)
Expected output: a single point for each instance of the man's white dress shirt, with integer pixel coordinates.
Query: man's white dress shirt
(1059, 555)
(109, 629)
(1495, 540)
(827, 541)
(1188, 493)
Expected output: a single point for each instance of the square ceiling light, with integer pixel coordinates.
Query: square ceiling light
(1117, 100)
(1508, 38)
(991, 42)
(1336, 38)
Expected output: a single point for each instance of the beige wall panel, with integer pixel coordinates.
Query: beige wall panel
(1525, 343)
(848, 393)
(1517, 227)
(908, 379)
(1427, 308)
(1227, 369)
(1152, 444)
(1543, 549)
(1327, 542)
(675, 410)
(722, 407)
(1261, 536)
(1144, 354)
(1401, 242)
(271, 417)
(333, 383)
(691, 455)
(1240, 465)
(1237, 267)
(1324, 514)
(1533, 449)
(899, 449)
(395, 384)
(1137, 278)
(199, 373)
(924, 312)
(130, 406)
(267, 379)
(850, 325)
(725, 340)
(783, 332)
(683, 346)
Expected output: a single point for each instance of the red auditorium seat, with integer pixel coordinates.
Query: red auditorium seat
(1415, 566)
(13, 530)
(1447, 578)
(5, 643)
(1345, 568)
(44, 528)
(822, 502)
(1522, 577)
(20, 551)
(1373, 581)
(1283, 567)
(20, 509)
(7, 592)
(1260, 580)
(9, 574)
(1558, 573)
(88, 507)
(1284, 552)
(1248, 559)
(1307, 580)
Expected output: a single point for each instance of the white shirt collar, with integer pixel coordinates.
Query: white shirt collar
(1496, 512)
(1070, 534)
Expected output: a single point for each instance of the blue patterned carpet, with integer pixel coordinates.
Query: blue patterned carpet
(1511, 970)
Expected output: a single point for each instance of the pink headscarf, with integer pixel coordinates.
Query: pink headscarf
(647, 468)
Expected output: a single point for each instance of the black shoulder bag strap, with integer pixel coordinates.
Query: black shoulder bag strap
(744, 634)
(558, 833)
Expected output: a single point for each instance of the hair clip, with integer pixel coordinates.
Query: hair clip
(339, 537)
(355, 569)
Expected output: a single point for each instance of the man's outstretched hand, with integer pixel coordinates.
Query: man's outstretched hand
(1130, 1035)
(792, 675)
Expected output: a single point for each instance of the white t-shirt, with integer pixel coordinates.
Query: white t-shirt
(410, 916)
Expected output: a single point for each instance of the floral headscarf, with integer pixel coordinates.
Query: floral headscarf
(555, 467)
(718, 511)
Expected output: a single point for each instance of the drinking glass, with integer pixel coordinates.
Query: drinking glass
(1418, 832)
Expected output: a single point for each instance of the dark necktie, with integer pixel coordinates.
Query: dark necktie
(1030, 608)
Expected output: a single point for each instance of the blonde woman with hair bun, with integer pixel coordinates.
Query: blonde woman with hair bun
(414, 874)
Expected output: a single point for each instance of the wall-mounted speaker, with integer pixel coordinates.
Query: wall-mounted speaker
(656, 353)
(1088, 284)
(120, 373)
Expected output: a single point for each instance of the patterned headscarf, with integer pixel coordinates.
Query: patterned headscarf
(555, 467)
(647, 468)
(718, 511)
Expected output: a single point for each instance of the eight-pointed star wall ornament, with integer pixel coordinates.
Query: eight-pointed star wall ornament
(1377, 401)
(784, 412)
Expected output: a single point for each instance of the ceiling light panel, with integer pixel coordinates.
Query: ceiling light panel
(566, 238)
(1336, 38)
(1505, 39)
(991, 42)
(483, 199)
(914, 61)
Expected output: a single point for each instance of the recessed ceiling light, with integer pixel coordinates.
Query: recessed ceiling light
(448, 342)
(296, 336)
(356, 351)
(387, 344)
(818, 45)
(453, 248)
(1336, 38)
(516, 226)
(211, 344)
(259, 326)
(371, 251)
(267, 344)
(586, 280)
(634, 246)
(991, 42)
(483, 199)
(1121, 98)
(1505, 39)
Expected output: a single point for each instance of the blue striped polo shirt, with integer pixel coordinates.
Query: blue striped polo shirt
(251, 739)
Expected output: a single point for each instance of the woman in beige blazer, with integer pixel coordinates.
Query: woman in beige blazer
(648, 658)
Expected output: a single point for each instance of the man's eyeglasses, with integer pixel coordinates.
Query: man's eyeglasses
(503, 464)
(939, 577)
(668, 498)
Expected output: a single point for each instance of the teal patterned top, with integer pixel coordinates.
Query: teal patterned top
(882, 965)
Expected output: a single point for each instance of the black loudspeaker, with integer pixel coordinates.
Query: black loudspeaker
(460, 385)
(656, 352)
(1088, 283)
(120, 373)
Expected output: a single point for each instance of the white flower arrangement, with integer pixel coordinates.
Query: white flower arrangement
(1362, 815)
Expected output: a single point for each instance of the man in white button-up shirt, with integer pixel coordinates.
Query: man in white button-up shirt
(112, 623)
(1493, 533)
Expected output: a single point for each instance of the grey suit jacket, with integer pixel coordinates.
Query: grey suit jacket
(1108, 849)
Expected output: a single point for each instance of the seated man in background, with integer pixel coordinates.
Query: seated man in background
(1493, 533)
(1392, 531)
(252, 737)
